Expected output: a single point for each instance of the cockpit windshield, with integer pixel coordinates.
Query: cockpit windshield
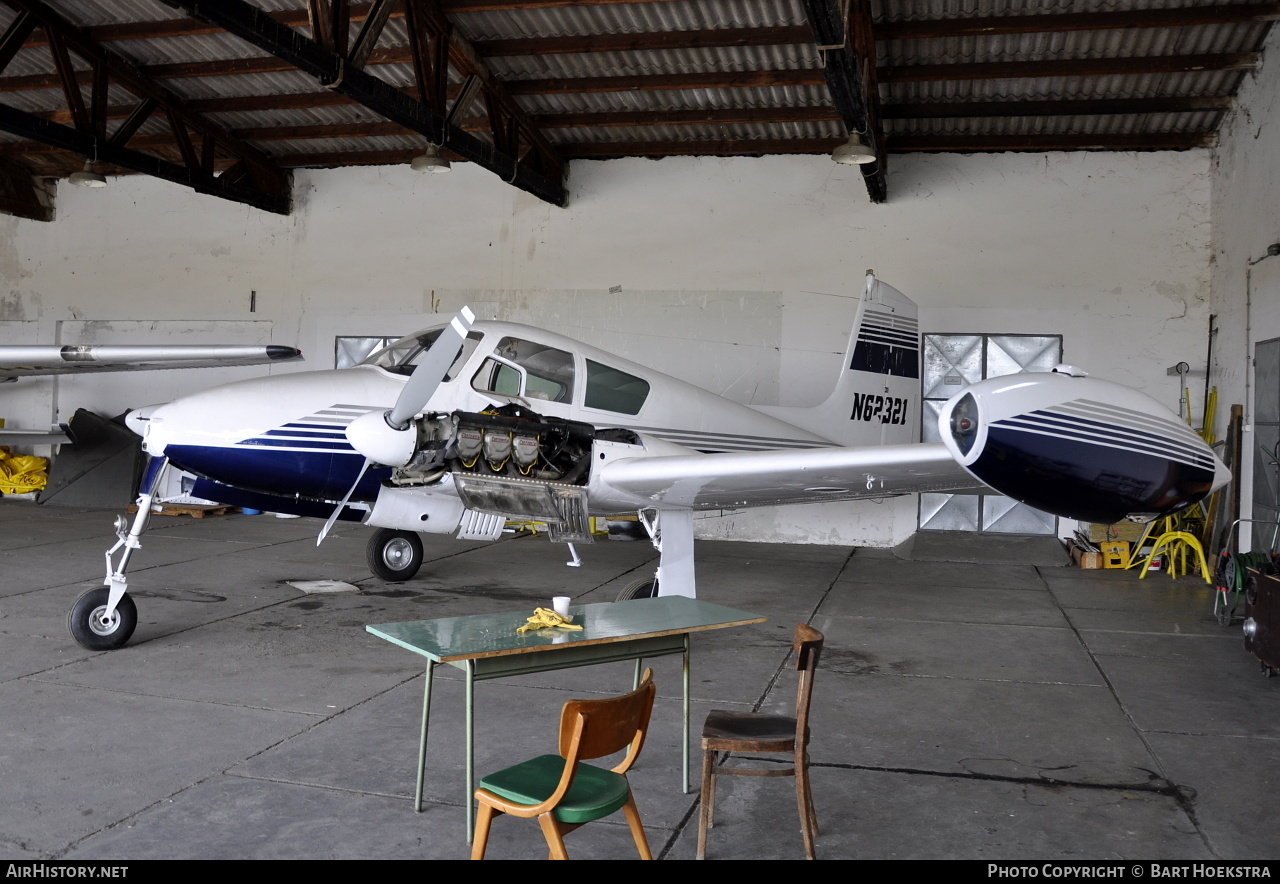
(403, 356)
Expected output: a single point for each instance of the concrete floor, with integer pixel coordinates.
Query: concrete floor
(973, 701)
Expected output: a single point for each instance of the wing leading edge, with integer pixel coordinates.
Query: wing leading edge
(770, 478)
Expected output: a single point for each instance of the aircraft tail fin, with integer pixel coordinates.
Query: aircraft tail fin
(876, 400)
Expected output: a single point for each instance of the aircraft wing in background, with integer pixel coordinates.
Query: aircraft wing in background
(21, 360)
(18, 361)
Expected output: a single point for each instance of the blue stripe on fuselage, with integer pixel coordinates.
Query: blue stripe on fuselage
(313, 474)
(297, 443)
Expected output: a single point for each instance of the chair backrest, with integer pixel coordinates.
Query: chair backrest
(596, 728)
(807, 645)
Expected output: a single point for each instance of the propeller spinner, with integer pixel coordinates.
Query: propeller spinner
(389, 437)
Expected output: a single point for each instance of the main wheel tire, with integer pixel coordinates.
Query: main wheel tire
(91, 630)
(394, 556)
(639, 589)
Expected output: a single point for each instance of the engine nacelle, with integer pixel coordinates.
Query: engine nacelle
(1078, 447)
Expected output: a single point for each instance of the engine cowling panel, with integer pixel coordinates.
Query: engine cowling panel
(1078, 447)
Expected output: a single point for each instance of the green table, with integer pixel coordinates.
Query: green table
(487, 646)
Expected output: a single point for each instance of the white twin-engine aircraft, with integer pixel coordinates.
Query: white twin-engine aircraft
(460, 427)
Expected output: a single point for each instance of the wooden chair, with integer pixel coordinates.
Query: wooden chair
(561, 790)
(727, 731)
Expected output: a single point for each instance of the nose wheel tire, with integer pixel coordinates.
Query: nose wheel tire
(394, 556)
(90, 626)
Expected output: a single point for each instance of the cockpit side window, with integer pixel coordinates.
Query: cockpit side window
(612, 389)
(548, 372)
(403, 356)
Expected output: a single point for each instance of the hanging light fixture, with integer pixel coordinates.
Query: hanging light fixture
(87, 177)
(853, 152)
(431, 161)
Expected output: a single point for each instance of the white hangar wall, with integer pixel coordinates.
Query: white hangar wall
(737, 274)
(1246, 220)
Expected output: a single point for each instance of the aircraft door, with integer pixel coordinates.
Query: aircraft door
(542, 377)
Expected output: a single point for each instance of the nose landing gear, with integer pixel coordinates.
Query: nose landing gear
(103, 619)
(94, 628)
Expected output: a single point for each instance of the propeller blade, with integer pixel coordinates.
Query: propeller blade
(431, 370)
(324, 532)
(384, 435)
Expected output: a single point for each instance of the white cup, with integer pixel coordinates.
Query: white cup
(561, 605)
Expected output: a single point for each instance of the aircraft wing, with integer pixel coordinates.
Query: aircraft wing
(33, 437)
(769, 478)
(30, 361)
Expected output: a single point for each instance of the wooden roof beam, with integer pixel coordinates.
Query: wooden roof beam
(320, 132)
(897, 30)
(706, 116)
(1065, 107)
(1070, 67)
(646, 42)
(268, 187)
(259, 29)
(667, 82)
(990, 143)
(832, 32)
(1189, 16)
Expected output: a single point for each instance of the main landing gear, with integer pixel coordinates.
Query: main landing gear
(103, 619)
(394, 556)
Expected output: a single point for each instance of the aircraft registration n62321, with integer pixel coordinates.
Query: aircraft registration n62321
(457, 428)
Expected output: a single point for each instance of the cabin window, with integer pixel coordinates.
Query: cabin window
(610, 389)
(404, 355)
(349, 350)
(548, 372)
(497, 377)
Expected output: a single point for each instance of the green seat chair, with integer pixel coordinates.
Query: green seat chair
(562, 791)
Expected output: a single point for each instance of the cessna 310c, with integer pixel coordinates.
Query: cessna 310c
(462, 426)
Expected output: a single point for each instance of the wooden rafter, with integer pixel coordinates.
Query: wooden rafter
(1070, 67)
(645, 42)
(1189, 16)
(543, 179)
(718, 116)
(429, 49)
(831, 25)
(1063, 107)
(862, 42)
(267, 186)
(982, 143)
(350, 31)
(517, 136)
(667, 82)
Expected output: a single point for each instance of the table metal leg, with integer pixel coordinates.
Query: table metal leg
(635, 678)
(471, 747)
(422, 741)
(685, 746)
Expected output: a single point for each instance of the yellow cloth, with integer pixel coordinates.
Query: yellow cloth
(21, 473)
(545, 617)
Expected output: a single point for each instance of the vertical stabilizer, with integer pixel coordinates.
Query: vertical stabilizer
(876, 400)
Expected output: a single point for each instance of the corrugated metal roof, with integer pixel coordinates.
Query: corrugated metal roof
(676, 78)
